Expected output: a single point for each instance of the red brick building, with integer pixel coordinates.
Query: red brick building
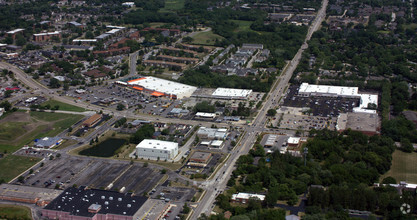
(46, 36)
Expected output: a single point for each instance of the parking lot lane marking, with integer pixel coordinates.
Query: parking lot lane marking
(121, 174)
(146, 214)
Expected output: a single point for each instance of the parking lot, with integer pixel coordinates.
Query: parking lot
(112, 95)
(172, 194)
(94, 173)
(305, 122)
(320, 106)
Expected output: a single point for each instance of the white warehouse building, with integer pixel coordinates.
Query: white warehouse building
(161, 87)
(344, 91)
(155, 149)
(226, 93)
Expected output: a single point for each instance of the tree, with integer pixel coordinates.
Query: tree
(120, 107)
(163, 171)
(21, 179)
(145, 164)
(6, 105)
(389, 180)
(8, 93)
(272, 112)
(187, 39)
(20, 40)
(406, 145)
(54, 83)
(186, 209)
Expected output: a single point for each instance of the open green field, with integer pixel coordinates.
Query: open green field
(243, 25)
(403, 167)
(14, 212)
(13, 165)
(63, 106)
(20, 128)
(206, 38)
(173, 5)
(412, 26)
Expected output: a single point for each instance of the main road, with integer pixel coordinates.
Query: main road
(42, 90)
(218, 183)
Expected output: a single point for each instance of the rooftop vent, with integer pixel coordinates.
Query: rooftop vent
(110, 198)
(119, 199)
(129, 205)
(106, 203)
(103, 197)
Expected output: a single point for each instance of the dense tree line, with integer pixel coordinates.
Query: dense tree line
(144, 132)
(347, 164)
(203, 77)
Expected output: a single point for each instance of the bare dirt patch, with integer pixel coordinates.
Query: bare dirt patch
(16, 117)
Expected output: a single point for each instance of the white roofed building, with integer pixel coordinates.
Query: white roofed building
(227, 93)
(344, 91)
(155, 149)
(244, 197)
(212, 133)
(293, 141)
(205, 115)
(161, 87)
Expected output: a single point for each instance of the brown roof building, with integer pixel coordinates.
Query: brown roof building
(200, 157)
(163, 64)
(112, 52)
(93, 120)
(185, 60)
(101, 72)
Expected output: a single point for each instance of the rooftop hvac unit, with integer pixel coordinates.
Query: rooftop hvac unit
(110, 198)
(119, 199)
(106, 203)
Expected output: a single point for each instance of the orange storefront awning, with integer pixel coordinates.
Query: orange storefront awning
(137, 88)
(157, 94)
(134, 80)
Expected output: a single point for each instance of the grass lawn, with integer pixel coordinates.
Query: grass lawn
(13, 165)
(403, 167)
(15, 212)
(64, 144)
(63, 106)
(206, 38)
(173, 5)
(9, 130)
(412, 26)
(157, 24)
(243, 25)
(15, 134)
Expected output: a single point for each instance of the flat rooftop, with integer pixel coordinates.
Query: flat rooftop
(325, 89)
(198, 155)
(162, 85)
(226, 92)
(77, 201)
(15, 31)
(358, 121)
(157, 144)
(17, 192)
(48, 33)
